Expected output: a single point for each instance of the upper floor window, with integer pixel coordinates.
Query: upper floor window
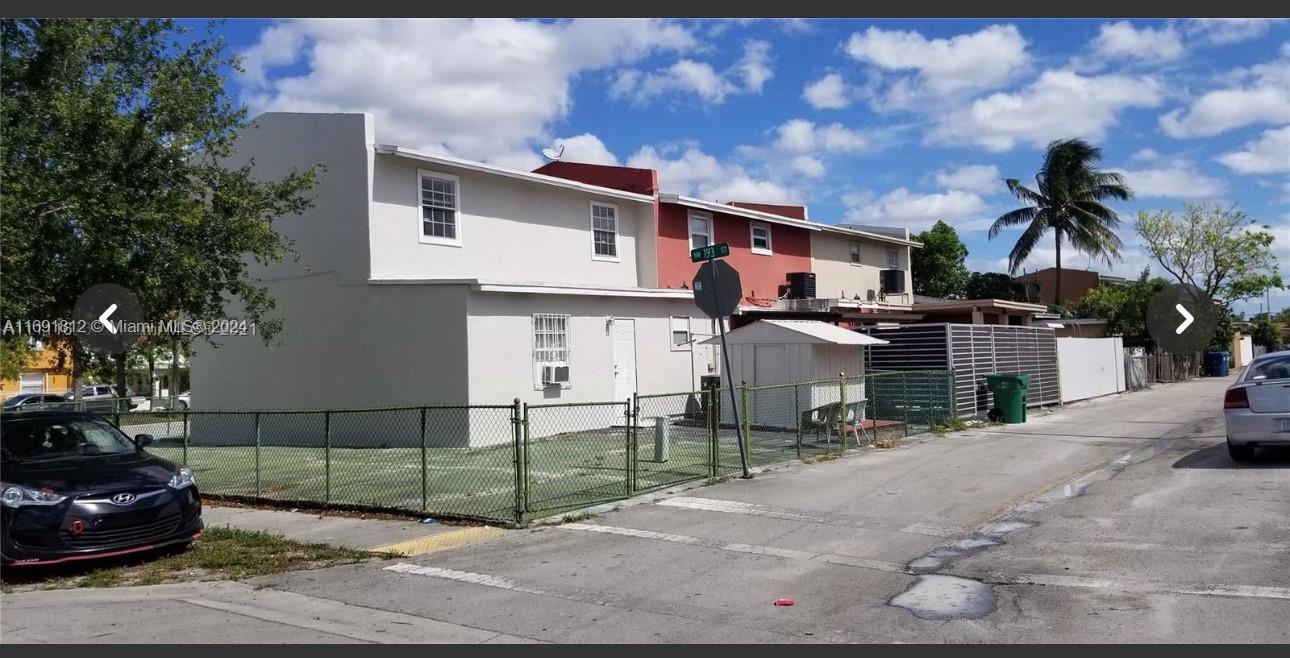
(893, 258)
(700, 230)
(604, 231)
(440, 208)
(760, 238)
(855, 252)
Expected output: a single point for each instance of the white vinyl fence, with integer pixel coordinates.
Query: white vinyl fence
(1090, 367)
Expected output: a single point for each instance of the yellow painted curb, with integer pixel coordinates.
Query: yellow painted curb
(442, 541)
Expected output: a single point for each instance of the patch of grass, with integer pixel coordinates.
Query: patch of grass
(887, 442)
(580, 516)
(951, 424)
(220, 554)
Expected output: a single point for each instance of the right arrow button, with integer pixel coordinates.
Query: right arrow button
(1187, 319)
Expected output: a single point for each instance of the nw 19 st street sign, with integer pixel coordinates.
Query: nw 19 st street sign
(719, 250)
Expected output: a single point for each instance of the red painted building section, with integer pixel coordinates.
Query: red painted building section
(762, 276)
(791, 212)
(628, 179)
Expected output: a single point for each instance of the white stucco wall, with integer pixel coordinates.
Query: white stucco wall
(1090, 367)
(510, 230)
(835, 276)
(500, 330)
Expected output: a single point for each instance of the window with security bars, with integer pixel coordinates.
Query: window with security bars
(550, 339)
(604, 231)
(439, 208)
(855, 253)
(893, 259)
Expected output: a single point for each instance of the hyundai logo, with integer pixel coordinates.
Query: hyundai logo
(123, 499)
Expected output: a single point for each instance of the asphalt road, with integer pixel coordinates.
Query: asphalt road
(1121, 519)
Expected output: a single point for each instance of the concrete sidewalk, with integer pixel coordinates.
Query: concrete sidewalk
(407, 537)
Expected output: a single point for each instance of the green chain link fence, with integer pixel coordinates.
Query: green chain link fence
(514, 463)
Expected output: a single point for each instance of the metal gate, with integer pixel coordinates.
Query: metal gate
(973, 351)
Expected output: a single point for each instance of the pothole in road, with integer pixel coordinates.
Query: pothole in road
(946, 597)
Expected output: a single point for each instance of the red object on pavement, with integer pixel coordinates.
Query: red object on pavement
(784, 602)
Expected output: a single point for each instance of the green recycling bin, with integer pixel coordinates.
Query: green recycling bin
(1009, 395)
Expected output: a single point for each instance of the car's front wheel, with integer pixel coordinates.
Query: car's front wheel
(1240, 453)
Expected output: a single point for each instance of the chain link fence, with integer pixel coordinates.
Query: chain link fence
(513, 463)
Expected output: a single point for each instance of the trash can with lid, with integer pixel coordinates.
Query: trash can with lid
(1216, 364)
(1010, 391)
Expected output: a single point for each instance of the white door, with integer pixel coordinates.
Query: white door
(772, 406)
(623, 335)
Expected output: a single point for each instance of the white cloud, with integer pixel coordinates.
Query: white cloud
(1121, 40)
(754, 66)
(827, 93)
(688, 76)
(1146, 155)
(802, 136)
(915, 211)
(1230, 30)
(484, 89)
(1132, 260)
(696, 173)
(1264, 99)
(585, 148)
(807, 166)
(1059, 104)
(1270, 154)
(1178, 180)
(982, 179)
(981, 60)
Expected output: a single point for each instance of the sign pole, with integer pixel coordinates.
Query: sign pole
(730, 385)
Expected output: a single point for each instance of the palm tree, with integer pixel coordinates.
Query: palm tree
(1069, 202)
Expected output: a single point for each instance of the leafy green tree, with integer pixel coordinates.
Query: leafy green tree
(1221, 251)
(1264, 331)
(1123, 306)
(1067, 200)
(938, 268)
(115, 134)
(995, 285)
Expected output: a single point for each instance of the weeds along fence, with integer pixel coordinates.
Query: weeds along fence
(514, 463)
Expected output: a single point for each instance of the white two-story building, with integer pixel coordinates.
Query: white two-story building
(424, 279)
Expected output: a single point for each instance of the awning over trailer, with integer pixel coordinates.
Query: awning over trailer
(794, 332)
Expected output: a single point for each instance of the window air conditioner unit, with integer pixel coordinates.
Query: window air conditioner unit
(555, 374)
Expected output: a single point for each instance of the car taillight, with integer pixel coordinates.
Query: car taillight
(1236, 399)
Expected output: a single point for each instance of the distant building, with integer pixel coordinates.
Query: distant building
(1042, 284)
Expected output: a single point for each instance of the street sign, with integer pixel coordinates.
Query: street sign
(717, 291)
(719, 250)
(718, 295)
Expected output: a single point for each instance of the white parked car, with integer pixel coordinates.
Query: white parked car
(1256, 408)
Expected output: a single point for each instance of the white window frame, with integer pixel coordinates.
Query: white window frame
(855, 253)
(769, 249)
(673, 321)
(893, 258)
(548, 351)
(689, 233)
(591, 219)
(423, 174)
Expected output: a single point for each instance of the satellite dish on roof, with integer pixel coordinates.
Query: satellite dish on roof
(553, 154)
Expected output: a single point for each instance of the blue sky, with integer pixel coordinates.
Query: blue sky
(894, 122)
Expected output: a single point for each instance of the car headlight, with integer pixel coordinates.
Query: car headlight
(182, 478)
(19, 496)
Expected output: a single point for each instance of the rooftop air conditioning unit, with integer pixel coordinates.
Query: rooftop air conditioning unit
(892, 280)
(552, 375)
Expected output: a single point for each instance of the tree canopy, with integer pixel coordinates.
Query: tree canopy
(1219, 250)
(938, 268)
(1123, 306)
(115, 133)
(1067, 200)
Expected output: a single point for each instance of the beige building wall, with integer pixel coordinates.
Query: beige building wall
(836, 276)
